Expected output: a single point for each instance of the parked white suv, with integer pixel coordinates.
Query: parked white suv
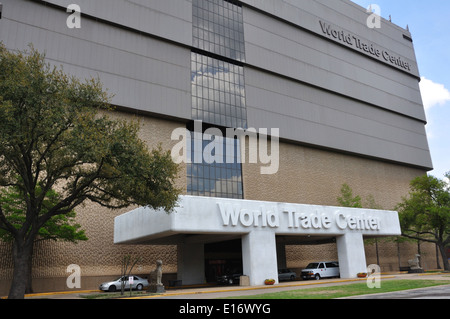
(321, 269)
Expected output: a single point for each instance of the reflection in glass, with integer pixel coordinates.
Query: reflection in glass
(219, 174)
(218, 28)
(218, 92)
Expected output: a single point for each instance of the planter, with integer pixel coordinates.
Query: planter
(362, 275)
(269, 281)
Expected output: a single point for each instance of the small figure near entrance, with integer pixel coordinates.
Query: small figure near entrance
(414, 265)
(155, 279)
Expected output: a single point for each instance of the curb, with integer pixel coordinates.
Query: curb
(55, 293)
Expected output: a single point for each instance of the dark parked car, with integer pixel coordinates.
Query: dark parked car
(229, 279)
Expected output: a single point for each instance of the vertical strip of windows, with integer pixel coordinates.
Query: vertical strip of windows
(218, 97)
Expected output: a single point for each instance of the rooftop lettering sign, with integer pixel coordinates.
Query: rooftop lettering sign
(364, 46)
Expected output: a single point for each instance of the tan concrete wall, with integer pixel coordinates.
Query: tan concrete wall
(306, 175)
(312, 176)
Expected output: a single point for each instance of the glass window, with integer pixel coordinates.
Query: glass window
(215, 173)
(220, 28)
(216, 88)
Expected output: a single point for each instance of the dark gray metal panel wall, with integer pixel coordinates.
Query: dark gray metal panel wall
(292, 52)
(170, 19)
(338, 98)
(343, 14)
(310, 115)
(327, 95)
(141, 72)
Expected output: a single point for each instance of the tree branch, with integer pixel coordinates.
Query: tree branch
(419, 238)
(7, 225)
(75, 198)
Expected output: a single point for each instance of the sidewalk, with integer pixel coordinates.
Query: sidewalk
(205, 292)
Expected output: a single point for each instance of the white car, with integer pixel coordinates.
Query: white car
(138, 284)
(321, 269)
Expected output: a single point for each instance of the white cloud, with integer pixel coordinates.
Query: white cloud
(433, 94)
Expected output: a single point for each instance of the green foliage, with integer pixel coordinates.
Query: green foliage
(60, 227)
(427, 209)
(347, 199)
(371, 203)
(425, 213)
(58, 150)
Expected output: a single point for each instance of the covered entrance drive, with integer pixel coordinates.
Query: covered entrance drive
(261, 226)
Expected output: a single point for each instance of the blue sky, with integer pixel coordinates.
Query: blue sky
(429, 24)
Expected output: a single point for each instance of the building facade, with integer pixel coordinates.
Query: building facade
(326, 98)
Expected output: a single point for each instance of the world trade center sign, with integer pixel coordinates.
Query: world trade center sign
(199, 220)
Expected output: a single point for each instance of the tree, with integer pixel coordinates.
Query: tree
(60, 227)
(126, 270)
(53, 137)
(347, 199)
(425, 213)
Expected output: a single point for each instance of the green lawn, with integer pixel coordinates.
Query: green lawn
(347, 290)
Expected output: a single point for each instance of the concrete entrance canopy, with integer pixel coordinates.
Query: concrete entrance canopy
(199, 220)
